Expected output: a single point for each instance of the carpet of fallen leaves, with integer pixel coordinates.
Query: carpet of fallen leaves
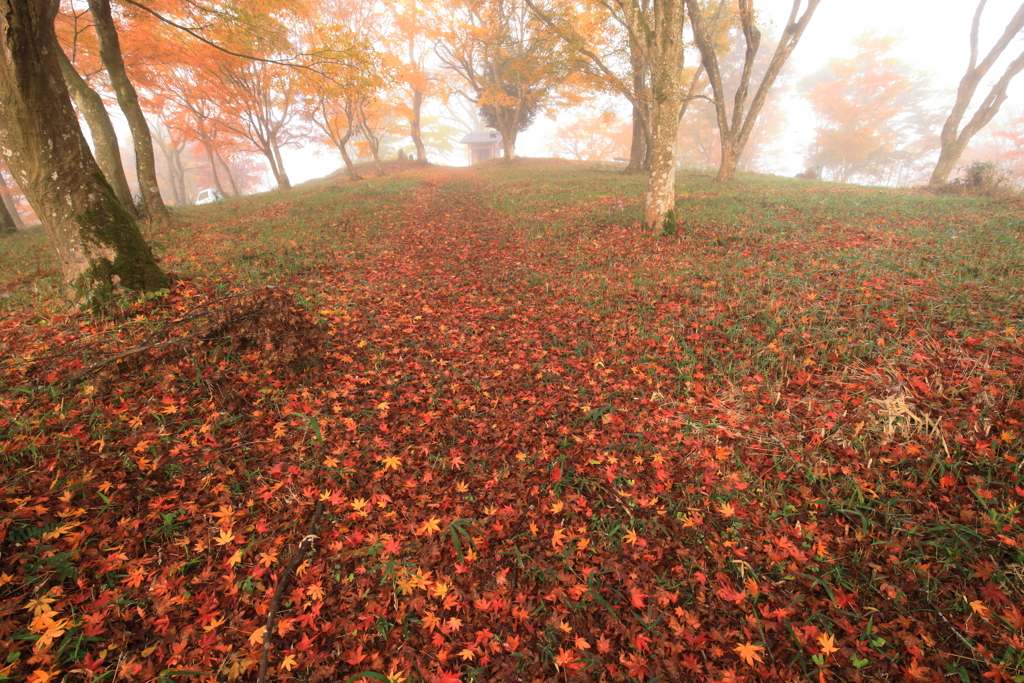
(546, 446)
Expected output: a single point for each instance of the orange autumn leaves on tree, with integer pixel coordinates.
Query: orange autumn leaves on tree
(875, 121)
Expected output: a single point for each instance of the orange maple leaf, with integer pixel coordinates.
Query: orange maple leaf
(748, 653)
(558, 539)
(828, 643)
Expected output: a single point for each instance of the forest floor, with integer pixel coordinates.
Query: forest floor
(533, 442)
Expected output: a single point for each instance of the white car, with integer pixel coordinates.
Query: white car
(208, 196)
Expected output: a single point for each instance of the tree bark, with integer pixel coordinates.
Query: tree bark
(640, 145)
(104, 139)
(98, 243)
(128, 100)
(9, 205)
(953, 141)
(414, 126)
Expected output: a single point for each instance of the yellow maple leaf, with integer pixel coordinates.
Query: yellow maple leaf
(727, 510)
(828, 643)
(557, 506)
(429, 527)
(631, 537)
(748, 653)
(237, 557)
(979, 608)
(288, 663)
(225, 537)
(256, 637)
(392, 463)
(330, 461)
(467, 654)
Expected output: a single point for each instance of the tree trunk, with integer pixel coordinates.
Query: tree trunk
(169, 163)
(128, 100)
(9, 205)
(730, 160)
(415, 132)
(952, 140)
(97, 241)
(104, 139)
(231, 176)
(342, 145)
(7, 224)
(283, 183)
(661, 180)
(213, 167)
(662, 41)
(734, 134)
(639, 148)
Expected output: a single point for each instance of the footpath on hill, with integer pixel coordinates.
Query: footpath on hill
(531, 442)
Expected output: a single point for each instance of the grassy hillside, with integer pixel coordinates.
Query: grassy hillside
(533, 441)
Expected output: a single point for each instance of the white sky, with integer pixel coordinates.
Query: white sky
(934, 39)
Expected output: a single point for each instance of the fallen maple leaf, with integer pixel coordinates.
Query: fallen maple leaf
(288, 663)
(979, 608)
(749, 653)
(429, 527)
(828, 643)
(225, 537)
(558, 539)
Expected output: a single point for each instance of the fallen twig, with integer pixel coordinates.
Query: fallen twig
(304, 547)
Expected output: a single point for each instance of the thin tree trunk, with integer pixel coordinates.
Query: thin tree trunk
(639, 148)
(9, 205)
(283, 183)
(213, 167)
(231, 176)
(342, 145)
(179, 174)
(128, 100)
(98, 243)
(104, 139)
(169, 163)
(415, 132)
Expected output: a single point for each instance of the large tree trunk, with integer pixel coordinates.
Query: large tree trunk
(414, 127)
(663, 43)
(954, 141)
(128, 100)
(661, 180)
(97, 241)
(104, 139)
(9, 205)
